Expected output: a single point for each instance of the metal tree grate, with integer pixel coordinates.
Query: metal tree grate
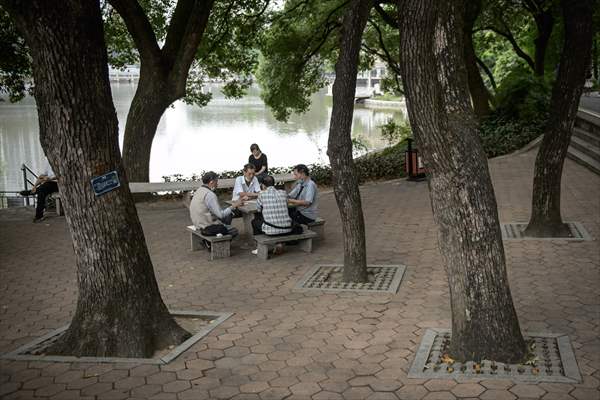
(35, 350)
(552, 360)
(514, 231)
(382, 278)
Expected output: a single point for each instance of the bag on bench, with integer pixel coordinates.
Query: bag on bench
(214, 230)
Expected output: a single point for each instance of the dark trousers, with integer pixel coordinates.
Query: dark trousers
(298, 217)
(42, 192)
(257, 227)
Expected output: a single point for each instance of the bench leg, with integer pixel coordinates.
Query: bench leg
(263, 251)
(59, 210)
(319, 230)
(195, 242)
(306, 245)
(220, 250)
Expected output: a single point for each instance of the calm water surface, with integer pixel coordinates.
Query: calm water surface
(191, 140)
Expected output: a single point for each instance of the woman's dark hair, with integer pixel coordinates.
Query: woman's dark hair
(254, 146)
(302, 169)
(209, 177)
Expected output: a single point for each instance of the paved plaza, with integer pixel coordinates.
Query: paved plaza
(283, 343)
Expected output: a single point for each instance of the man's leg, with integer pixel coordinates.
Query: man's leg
(42, 192)
(257, 224)
(298, 217)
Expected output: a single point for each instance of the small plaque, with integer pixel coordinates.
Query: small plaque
(105, 183)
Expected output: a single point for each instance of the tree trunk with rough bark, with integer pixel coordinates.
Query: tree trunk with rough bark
(339, 150)
(480, 96)
(544, 22)
(151, 99)
(119, 309)
(546, 219)
(484, 321)
(163, 74)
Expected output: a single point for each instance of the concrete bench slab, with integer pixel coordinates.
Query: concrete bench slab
(263, 242)
(220, 246)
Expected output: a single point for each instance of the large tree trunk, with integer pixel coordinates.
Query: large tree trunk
(484, 321)
(544, 22)
(163, 74)
(119, 309)
(339, 150)
(480, 96)
(546, 220)
(151, 99)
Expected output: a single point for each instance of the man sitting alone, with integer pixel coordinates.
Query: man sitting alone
(45, 184)
(246, 186)
(304, 196)
(205, 210)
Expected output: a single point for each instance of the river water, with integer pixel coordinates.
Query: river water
(191, 139)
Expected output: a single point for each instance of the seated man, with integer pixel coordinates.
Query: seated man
(246, 186)
(205, 210)
(304, 196)
(45, 184)
(272, 217)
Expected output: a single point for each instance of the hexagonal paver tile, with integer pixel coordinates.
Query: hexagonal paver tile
(532, 391)
(176, 386)
(497, 394)
(357, 393)
(437, 385)
(305, 388)
(254, 387)
(275, 394)
(411, 392)
(130, 382)
(467, 390)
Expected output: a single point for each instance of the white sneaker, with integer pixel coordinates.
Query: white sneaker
(255, 252)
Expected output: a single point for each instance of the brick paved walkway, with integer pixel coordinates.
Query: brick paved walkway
(282, 343)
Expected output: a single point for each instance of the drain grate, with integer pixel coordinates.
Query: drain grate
(553, 361)
(34, 351)
(514, 231)
(382, 278)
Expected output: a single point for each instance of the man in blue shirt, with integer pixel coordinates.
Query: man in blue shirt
(304, 196)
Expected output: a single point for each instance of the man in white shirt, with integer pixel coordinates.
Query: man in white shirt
(246, 186)
(45, 184)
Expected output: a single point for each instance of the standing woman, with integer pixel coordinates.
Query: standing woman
(259, 160)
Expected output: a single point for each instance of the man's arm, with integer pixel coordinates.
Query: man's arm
(308, 197)
(215, 209)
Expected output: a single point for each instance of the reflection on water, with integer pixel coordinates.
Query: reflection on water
(191, 139)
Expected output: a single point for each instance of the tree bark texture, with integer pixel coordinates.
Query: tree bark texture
(544, 22)
(546, 219)
(119, 308)
(480, 96)
(163, 74)
(484, 321)
(339, 149)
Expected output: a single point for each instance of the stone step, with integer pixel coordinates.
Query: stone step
(586, 136)
(588, 121)
(586, 147)
(584, 159)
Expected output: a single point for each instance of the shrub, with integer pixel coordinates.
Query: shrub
(501, 135)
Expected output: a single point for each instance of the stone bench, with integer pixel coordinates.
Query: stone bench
(220, 246)
(263, 242)
(318, 227)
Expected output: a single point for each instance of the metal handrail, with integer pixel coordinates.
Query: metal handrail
(26, 180)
